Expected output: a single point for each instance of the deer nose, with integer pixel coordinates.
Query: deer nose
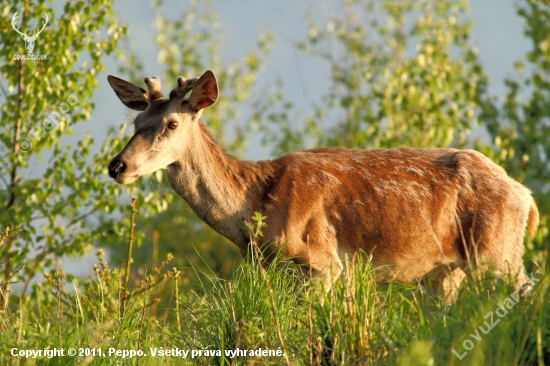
(116, 166)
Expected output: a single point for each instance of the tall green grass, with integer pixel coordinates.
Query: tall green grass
(357, 323)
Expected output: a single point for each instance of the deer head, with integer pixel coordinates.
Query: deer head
(163, 129)
(29, 40)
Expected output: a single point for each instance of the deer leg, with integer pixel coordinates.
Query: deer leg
(325, 273)
(330, 273)
(512, 270)
(501, 251)
(450, 284)
(446, 280)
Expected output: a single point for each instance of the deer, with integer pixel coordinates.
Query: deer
(420, 213)
(29, 40)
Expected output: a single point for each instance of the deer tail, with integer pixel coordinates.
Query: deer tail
(533, 218)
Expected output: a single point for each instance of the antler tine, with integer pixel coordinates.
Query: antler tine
(184, 86)
(43, 24)
(153, 84)
(14, 20)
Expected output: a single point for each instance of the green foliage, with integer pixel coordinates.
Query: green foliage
(63, 312)
(255, 226)
(403, 73)
(238, 313)
(48, 188)
(359, 322)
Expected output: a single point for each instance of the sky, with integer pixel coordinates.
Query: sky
(497, 34)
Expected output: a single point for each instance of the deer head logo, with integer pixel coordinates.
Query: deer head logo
(29, 40)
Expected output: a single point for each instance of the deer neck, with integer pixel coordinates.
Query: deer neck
(216, 185)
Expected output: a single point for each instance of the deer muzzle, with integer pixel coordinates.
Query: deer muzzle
(115, 167)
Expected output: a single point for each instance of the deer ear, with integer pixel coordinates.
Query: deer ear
(205, 91)
(131, 95)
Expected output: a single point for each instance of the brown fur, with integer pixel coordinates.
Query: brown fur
(421, 213)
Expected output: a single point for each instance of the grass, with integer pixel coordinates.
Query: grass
(359, 322)
(271, 316)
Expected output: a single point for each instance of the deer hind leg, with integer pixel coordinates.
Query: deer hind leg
(446, 280)
(450, 284)
(500, 250)
(510, 266)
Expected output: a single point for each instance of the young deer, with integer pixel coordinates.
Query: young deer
(421, 213)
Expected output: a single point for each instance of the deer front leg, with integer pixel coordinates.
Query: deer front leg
(325, 273)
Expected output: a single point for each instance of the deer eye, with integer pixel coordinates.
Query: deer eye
(172, 125)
